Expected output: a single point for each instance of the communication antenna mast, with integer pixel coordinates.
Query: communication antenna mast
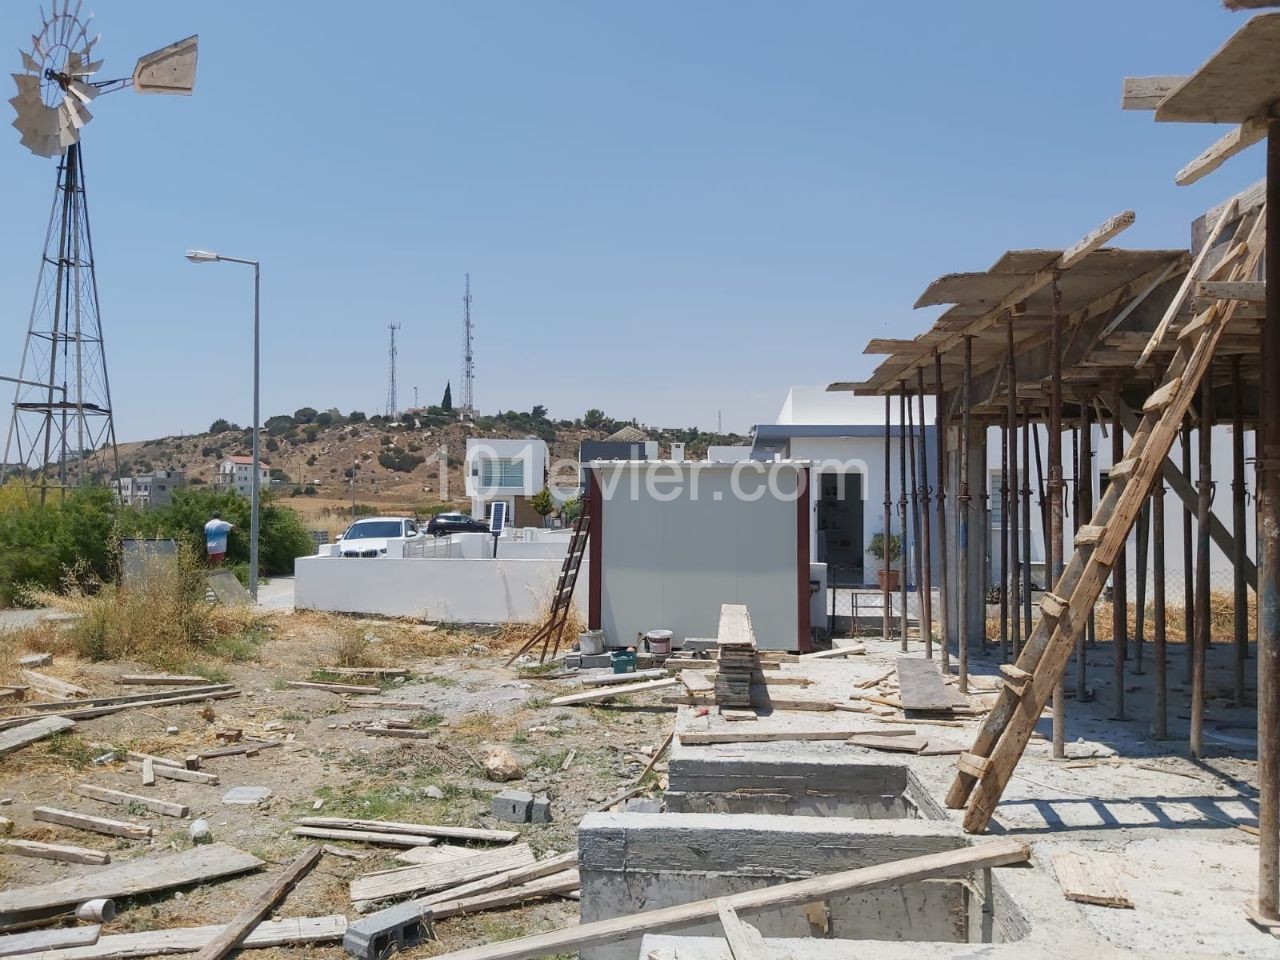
(61, 432)
(393, 405)
(468, 358)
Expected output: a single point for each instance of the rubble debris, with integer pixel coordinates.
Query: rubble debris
(500, 764)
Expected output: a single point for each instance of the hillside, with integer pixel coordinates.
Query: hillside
(313, 453)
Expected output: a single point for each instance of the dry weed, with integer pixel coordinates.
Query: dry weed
(512, 636)
(161, 617)
(1222, 620)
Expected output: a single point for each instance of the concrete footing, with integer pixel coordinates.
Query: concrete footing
(631, 861)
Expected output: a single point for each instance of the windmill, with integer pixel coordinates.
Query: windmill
(61, 432)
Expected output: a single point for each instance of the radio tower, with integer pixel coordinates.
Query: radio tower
(467, 409)
(393, 405)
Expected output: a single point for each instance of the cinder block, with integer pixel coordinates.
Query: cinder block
(382, 933)
(643, 805)
(540, 812)
(514, 806)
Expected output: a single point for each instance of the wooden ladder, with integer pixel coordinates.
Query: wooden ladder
(552, 629)
(984, 771)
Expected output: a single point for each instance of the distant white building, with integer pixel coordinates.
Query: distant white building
(236, 473)
(147, 490)
(509, 470)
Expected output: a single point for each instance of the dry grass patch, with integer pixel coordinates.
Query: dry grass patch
(161, 618)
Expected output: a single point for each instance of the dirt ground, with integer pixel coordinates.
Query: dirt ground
(328, 766)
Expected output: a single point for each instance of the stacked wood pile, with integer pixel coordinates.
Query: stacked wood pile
(737, 661)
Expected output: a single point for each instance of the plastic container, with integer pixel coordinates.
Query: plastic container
(624, 661)
(591, 643)
(658, 642)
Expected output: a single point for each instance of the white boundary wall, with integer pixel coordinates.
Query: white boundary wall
(457, 590)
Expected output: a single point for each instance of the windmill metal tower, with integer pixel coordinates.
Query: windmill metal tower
(467, 409)
(393, 403)
(61, 431)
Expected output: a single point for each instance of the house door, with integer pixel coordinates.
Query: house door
(840, 526)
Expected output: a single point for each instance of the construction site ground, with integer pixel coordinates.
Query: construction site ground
(1173, 826)
(328, 767)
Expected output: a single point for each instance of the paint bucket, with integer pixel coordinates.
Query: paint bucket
(591, 643)
(658, 642)
(624, 661)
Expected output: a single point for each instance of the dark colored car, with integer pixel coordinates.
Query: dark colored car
(443, 524)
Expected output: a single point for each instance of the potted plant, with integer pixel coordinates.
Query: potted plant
(876, 547)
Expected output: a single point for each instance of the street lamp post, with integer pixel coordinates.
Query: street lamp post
(204, 256)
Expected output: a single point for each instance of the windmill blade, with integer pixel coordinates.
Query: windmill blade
(170, 69)
(81, 91)
(28, 88)
(77, 112)
(29, 64)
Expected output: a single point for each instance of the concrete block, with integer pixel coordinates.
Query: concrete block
(514, 806)
(395, 929)
(246, 796)
(643, 805)
(540, 812)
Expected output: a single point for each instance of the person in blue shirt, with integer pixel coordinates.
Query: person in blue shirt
(215, 539)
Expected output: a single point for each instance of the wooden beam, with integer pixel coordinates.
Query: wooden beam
(163, 807)
(32, 731)
(155, 943)
(363, 836)
(39, 941)
(745, 942)
(80, 821)
(1228, 214)
(992, 853)
(253, 914)
(414, 829)
(198, 865)
(1246, 291)
(735, 624)
(1145, 93)
(84, 713)
(590, 696)
(161, 680)
(53, 851)
(1226, 147)
(331, 687)
(428, 879)
(889, 377)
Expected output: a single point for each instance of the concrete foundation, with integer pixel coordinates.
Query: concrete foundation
(825, 786)
(631, 862)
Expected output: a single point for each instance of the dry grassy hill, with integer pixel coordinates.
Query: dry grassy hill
(398, 470)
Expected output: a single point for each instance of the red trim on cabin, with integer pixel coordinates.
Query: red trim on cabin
(804, 640)
(596, 533)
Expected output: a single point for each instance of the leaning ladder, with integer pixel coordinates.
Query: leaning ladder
(984, 771)
(552, 628)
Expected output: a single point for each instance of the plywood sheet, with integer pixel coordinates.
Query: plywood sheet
(1238, 82)
(920, 686)
(1090, 878)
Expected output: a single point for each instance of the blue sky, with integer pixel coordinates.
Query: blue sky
(668, 209)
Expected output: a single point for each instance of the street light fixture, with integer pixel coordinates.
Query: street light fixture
(205, 256)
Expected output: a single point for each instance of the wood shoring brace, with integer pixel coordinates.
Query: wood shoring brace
(962, 519)
(1013, 576)
(886, 597)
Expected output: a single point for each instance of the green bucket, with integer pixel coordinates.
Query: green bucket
(624, 661)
